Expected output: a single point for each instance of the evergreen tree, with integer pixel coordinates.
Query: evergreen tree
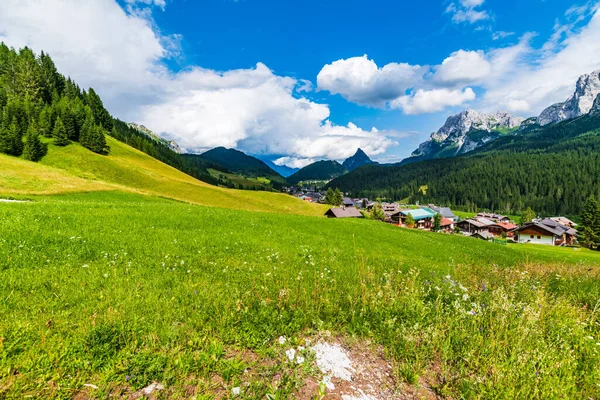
(330, 197)
(60, 133)
(377, 211)
(101, 116)
(589, 234)
(33, 150)
(339, 199)
(410, 221)
(527, 216)
(437, 223)
(96, 141)
(45, 122)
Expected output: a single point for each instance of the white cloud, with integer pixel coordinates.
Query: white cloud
(121, 55)
(498, 35)
(361, 81)
(428, 101)
(464, 67)
(466, 11)
(294, 162)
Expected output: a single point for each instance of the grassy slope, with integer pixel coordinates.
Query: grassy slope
(100, 287)
(74, 169)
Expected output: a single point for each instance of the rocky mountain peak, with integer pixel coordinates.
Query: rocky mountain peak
(357, 160)
(454, 135)
(596, 106)
(580, 103)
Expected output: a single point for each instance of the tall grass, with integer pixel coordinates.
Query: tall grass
(120, 290)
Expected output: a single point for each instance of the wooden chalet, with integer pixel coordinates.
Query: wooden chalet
(344, 212)
(423, 218)
(548, 232)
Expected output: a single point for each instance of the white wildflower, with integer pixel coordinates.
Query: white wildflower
(282, 339)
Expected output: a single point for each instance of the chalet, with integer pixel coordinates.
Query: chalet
(445, 212)
(423, 218)
(493, 217)
(447, 225)
(343, 212)
(347, 202)
(548, 232)
(474, 225)
(503, 228)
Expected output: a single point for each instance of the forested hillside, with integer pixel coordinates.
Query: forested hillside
(241, 163)
(551, 169)
(320, 170)
(36, 100)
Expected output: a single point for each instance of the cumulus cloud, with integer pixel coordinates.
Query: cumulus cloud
(122, 56)
(361, 81)
(467, 11)
(517, 78)
(428, 101)
(464, 67)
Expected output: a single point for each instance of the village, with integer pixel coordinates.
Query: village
(551, 231)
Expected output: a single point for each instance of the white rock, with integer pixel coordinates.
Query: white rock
(580, 103)
(154, 386)
(333, 361)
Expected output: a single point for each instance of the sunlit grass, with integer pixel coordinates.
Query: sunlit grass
(119, 290)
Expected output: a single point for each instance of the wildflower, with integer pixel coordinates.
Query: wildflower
(84, 266)
(127, 378)
(282, 339)
(236, 391)
(472, 312)
(465, 297)
(299, 359)
(106, 275)
(291, 354)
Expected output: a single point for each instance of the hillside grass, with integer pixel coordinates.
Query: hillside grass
(76, 169)
(118, 290)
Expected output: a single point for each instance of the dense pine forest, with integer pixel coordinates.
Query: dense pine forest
(552, 169)
(37, 102)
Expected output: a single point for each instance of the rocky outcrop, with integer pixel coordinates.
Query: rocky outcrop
(596, 107)
(170, 143)
(465, 132)
(580, 103)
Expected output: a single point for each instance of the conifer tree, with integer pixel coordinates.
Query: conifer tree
(339, 200)
(60, 133)
(527, 216)
(33, 150)
(589, 234)
(45, 122)
(101, 116)
(377, 211)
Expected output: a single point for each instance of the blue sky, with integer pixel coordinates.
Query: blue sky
(288, 80)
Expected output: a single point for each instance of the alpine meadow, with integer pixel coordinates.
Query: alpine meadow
(203, 232)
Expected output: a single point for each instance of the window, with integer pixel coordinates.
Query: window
(531, 236)
(539, 237)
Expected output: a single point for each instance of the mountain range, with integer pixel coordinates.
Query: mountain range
(550, 163)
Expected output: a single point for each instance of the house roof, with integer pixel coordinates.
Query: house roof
(546, 228)
(479, 222)
(348, 201)
(558, 226)
(349, 212)
(563, 220)
(446, 222)
(445, 212)
(484, 235)
(491, 216)
(417, 214)
(507, 226)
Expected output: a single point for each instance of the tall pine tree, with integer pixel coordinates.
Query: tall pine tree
(60, 133)
(34, 149)
(589, 233)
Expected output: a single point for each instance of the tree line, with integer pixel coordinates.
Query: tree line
(518, 172)
(36, 100)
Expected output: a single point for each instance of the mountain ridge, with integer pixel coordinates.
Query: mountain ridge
(359, 159)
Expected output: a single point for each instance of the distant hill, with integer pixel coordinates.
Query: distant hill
(357, 160)
(170, 143)
(320, 170)
(241, 163)
(282, 170)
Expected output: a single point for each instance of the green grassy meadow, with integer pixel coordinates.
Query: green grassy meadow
(118, 289)
(75, 169)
